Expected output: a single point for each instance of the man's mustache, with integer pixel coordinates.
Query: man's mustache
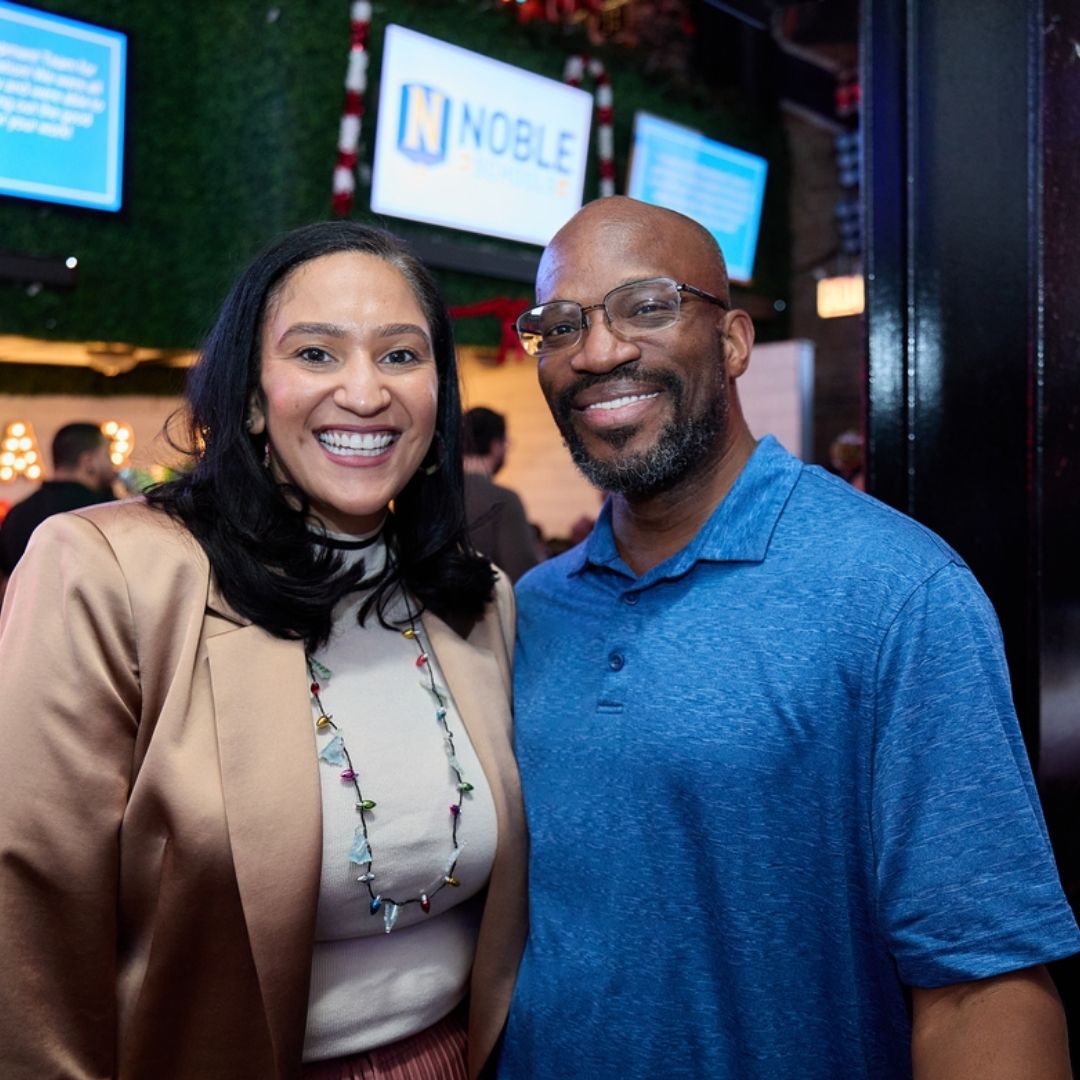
(633, 369)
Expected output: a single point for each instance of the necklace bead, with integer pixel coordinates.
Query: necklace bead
(335, 752)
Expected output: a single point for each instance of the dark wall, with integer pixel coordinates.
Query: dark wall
(232, 129)
(951, 288)
(1056, 437)
(973, 149)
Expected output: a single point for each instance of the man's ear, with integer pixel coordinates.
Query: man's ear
(255, 421)
(738, 335)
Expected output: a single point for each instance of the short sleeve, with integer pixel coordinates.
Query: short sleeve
(967, 886)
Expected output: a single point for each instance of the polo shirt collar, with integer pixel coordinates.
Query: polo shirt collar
(739, 529)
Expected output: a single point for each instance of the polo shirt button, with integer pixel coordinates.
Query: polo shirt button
(631, 598)
(615, 661)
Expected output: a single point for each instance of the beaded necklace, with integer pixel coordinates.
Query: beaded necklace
(335, 752)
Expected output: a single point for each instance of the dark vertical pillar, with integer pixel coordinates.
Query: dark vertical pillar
(972, 143)
(950, 143)
(1057, 434)
(1057, 442)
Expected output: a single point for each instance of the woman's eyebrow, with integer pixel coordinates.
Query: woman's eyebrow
(335, 330)
(319, 328)
(393, 329)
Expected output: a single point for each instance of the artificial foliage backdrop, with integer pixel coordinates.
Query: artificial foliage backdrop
(232, 124)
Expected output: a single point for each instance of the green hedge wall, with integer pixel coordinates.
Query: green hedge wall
(233, 111)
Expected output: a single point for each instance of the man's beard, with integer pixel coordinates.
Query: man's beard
(683, 444)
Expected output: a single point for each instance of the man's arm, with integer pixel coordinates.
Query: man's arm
(1009, 1026)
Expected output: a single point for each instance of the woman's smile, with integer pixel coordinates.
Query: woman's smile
(348, 387)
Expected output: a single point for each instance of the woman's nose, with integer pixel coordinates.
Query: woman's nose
(362, 388)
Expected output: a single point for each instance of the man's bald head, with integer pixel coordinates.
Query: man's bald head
(618, 224)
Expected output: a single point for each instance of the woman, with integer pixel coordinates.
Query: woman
(259, 815)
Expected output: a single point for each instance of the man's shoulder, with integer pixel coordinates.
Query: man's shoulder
(26, 508)
(479, 489)
(827, 511)
(495, 493)
(505, 492)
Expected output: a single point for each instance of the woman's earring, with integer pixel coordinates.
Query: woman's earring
(267, 455)
(435, 452)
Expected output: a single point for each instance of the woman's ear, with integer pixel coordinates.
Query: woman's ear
(255, 421)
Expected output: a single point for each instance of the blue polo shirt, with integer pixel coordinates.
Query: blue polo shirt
(768, 782)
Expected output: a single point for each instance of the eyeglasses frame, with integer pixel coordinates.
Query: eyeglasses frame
(680, 287)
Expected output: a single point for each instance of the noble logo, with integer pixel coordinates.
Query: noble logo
(424, 127)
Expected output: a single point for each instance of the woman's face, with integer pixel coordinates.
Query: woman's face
(348, 387)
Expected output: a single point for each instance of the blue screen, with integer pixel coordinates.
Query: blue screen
(61, 109)
(718, 186)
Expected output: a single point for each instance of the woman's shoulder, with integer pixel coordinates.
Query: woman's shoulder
(142, 538)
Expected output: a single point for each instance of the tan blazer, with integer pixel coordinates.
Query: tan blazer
(160, 814)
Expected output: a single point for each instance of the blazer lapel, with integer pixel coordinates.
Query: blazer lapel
(271, 787)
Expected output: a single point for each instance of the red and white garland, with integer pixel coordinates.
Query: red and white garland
(355, 86)
(573, 73)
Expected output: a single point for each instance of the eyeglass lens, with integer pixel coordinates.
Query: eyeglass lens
(637, 308)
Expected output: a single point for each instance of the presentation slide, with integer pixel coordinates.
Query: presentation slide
(471, 143)
(61, 109)
(718, 186)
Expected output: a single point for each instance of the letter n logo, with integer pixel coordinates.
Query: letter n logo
(425, 121)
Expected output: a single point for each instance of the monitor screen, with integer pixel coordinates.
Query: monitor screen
(61, 109)
(471, 143)
(718, 186)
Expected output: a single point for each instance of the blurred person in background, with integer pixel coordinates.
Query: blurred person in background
(847, 458)
(83, 475)
(259, 814)
(498, 525)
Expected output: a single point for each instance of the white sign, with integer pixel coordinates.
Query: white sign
(472, 143)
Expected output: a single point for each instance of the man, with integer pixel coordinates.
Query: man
(82, 475)
(498, 526)
(781, 819)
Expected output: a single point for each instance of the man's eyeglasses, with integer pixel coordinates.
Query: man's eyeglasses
(632, 311)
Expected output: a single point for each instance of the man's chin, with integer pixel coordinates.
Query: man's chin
(645, 471)
(584, 446)
(618, 438)
(630, 474)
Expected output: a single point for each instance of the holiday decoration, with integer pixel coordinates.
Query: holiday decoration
(573, 73)
(335, 753)
(660, 32)
(506, 310)
(355, 87)
(19, 454)
(121, 442)
(602, 19)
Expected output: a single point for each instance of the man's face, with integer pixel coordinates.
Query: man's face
(641, 416)
(100, 468)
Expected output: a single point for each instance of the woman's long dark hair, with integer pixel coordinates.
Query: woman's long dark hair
(257, 538)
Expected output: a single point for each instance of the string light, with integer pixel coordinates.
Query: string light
(121, 441)
(19, 456)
